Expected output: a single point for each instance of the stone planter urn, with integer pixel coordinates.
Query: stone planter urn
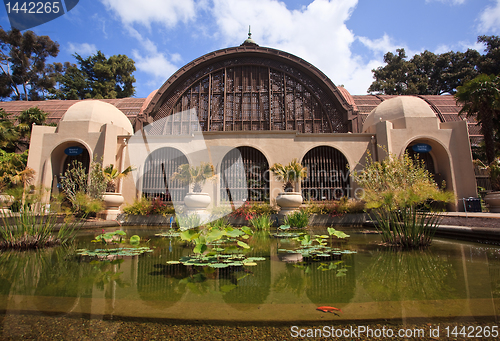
(289, 202)
(197, 202)
(493, 201)
(112, 202)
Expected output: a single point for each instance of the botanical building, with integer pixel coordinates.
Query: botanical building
(243, 109)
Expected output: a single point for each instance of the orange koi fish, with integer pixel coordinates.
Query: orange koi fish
(327, 309)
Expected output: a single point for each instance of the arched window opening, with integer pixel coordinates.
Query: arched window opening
(158, 168)
(327, 175)
(83, 158)
(425, 157)
(250, 183)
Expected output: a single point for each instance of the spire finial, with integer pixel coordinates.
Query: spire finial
(249, 41)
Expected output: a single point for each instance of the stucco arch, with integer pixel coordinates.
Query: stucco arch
(257, 186)
(328, 174)
(441, 156)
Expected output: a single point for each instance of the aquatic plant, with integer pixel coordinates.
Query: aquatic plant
(399, 190)
(261, 222)
(114, 252)
(315, 248)
(297, 219)
(33, 228)
(282, 232)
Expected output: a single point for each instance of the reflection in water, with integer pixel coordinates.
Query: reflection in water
(57, 282)
(408, 275)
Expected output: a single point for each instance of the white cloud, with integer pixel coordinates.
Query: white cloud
(316, 33)
(83, 49)
(156, 65)
(451, 2)
(489, 21)
(151, 61)
(165, 12)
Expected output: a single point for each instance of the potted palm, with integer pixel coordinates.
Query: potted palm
(493, 197)
(113, 200)
(289, 200)
(195, 176)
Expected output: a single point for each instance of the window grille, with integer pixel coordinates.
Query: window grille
(250, 183)
(158, 168)
(328, 176)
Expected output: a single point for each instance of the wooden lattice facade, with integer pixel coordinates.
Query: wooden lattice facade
(248, 89)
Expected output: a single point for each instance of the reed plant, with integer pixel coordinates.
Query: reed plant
(30, 229)
(261, 222)
(297, 219)
(400, 192)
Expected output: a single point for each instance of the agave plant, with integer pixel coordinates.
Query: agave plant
(195, 176)
(112, 175)
(289, 174)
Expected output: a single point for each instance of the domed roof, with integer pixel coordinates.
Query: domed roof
(98, 112)
(398, 107)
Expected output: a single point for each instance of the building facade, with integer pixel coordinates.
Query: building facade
(244, 109)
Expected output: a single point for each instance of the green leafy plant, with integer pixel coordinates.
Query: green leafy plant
(289, 174)
(194, 176)
(297, 219)
(252, 209)
(81, 192)
(112, 176)
(399, 190)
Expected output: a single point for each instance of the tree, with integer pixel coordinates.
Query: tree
(490, 61)
(24, 73)
(393, 79)
(8, 132)
(424, 74)
(480, 98)
(16, 137)
(97, 77)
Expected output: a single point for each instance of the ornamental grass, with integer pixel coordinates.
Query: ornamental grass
(400, 192)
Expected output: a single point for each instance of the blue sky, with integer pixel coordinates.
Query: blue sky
(345, 39)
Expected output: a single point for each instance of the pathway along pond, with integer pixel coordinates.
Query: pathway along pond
(450, 281)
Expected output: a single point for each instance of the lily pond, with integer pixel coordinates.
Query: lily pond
(265, 279)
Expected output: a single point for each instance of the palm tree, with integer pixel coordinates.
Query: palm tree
(480, 97)
(289, 174)
(194, 175)
(111, 175)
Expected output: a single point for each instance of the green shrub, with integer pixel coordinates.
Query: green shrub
(140, 206)
(144, 206)
(297, 219)
(251, 209)
(335, 208)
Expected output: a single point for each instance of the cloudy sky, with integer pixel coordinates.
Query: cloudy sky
(345, 39)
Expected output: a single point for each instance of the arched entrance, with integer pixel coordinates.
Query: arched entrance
(255, 170)
(158, 168)
(435, 157)
(76, 154)
(327, 174)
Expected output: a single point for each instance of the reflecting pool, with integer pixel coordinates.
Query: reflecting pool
(451, 280)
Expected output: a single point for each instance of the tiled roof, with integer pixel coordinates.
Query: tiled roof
(56, 108)
(444, 106)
